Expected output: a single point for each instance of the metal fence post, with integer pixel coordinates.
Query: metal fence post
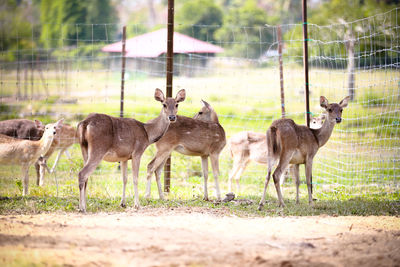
(170, 61)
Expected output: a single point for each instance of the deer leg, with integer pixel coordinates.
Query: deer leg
(158, 179)
(231, 175)
(135, 171)
(239, 174)
(37, 168)
(267, 178)
(280, 169)
(124, 165)
(83, 176)
(155, 164)
(25, 173)
(204, 166)
(42, 171)
(57, 159)
(84, 151)
(215, 168)
(308, 168)
(297, 179)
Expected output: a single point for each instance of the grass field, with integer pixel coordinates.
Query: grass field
(357, 172)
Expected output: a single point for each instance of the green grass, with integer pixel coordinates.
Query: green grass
(356, 173)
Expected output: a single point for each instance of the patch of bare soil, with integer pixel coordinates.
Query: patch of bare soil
(197, 237)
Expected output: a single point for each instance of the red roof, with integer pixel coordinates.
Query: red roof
(154, 44)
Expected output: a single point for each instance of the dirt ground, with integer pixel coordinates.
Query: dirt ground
(196, 237)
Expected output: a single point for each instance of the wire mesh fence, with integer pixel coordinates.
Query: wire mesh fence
(71, 76)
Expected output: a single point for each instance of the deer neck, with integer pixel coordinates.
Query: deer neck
(214, 117)
(324, 133)
(156, 128)
(45, 144)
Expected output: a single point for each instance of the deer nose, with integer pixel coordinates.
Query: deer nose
(172, 118)
(338, 120)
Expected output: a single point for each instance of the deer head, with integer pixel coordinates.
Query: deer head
(206, 113)
(50, 130)
(334, 110)
(170, 105)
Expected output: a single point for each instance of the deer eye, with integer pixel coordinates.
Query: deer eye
(329, 110)
(341, 110)
(200, 112)
(164, 105)
(176, 105)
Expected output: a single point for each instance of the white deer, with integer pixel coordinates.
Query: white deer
(22, 152)
(250, 146)
(65, 138)
(103, 137)
(289, 143)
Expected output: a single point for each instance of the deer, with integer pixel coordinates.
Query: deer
(22, 129)
(66, 137)
(201, 136)
(112, 139)
(250, 146)
(33, 130)
(14, 151)
(290, 143)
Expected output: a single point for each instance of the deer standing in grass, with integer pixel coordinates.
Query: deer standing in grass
(33, 130)
(199, 136)
(103, 137)
(22, 152)
(252, 146)
(289, 143)
(65, 138)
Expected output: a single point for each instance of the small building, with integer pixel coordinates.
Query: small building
(147, 53)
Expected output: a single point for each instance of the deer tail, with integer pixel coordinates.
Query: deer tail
(81, 133)
(272, 140)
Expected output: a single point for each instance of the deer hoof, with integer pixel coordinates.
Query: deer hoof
(260, 207)
(136, 206)
(123, 205)
(205, 198)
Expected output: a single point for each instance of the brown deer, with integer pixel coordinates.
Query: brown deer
(289, 143)
(22, 129)
(199, 136)
(252, 146)
(14, 151)
(63, 140)
(103, 137)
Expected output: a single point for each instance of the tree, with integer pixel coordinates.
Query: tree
(16, 28)
(199, 18)
(242, 31)
(66, 22)
(344, 12)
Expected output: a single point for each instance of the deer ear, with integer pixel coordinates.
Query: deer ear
(323, 101)
(205, 104)
(39, 124)
(344, 102)
(59, 124)
(159, 95)
(180, 96)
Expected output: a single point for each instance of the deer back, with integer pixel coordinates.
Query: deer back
(22, 128)
(117, 137)
(290, 137)
(15, 151)
(193, 137)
